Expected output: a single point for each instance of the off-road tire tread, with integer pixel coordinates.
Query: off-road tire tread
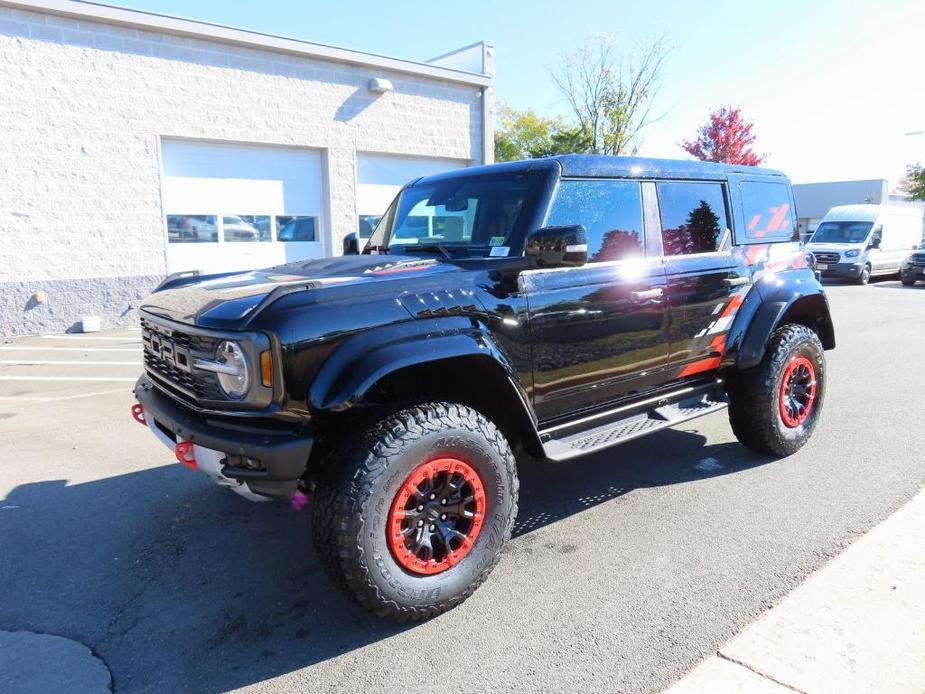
(753, 394)
(352, 472)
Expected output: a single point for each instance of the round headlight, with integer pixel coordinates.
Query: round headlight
(853, 253)
(233, 379)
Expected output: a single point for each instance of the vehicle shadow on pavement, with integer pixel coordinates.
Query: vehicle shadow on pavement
(551, 491)
(180, 586)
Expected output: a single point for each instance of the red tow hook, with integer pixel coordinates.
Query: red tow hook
(138, 413)
(186, 455)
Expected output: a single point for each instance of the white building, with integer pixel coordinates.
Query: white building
(813, 200)
(135, 145)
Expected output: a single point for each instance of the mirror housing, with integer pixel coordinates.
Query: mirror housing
(352, 244)
(874, 242)
(563, 246)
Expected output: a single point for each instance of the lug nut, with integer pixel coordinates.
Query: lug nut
(421, 507)
(433, 496)
(443, 502)
(443, 516)
(433, 527)
(420, 523)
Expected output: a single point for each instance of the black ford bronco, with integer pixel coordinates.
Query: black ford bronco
(558, 306)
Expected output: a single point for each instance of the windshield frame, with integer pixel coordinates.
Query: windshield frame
(531, 215)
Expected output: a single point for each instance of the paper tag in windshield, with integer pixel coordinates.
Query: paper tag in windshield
(499, 251)
(496, 241)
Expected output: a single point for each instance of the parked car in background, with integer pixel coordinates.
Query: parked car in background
(858, 242)
(192, 227)
(913, 267)
(236, 229)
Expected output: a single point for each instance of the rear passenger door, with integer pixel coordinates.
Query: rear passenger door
(599, 331)
(704, 283)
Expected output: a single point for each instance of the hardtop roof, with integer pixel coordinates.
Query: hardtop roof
(600, 166)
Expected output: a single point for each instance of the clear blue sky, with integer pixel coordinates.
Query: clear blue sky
(832, 86)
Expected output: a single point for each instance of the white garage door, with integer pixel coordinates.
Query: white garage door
(239, 207)
(381, 176)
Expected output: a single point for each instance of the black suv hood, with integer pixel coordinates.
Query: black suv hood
(231, 297)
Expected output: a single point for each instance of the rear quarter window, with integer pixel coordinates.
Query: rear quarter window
(768, 211)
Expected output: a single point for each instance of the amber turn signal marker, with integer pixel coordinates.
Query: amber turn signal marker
(266, 371)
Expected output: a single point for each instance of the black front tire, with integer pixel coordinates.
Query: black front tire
(907, 282)
(352, 508)
(755, 394)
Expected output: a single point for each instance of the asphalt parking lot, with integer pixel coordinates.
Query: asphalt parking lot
(627, 567)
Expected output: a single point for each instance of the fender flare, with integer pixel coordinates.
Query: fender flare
(363, 360)
(799, 298)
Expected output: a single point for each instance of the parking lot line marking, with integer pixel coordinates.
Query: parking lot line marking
(135, 337)
(69, 349)
(43, 362)
(34, 398)
(67, 378)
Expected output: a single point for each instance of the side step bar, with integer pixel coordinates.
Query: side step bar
(564, 442)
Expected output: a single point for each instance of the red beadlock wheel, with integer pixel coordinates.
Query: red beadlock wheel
(436, 516)
(797, 391)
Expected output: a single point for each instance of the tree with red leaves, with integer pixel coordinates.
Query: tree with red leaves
(726, 138)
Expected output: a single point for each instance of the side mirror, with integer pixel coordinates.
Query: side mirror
(874, 243)
(565, 246)
(351, 244)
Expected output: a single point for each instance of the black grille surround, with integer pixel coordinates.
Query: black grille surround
(826, 258)
(917, 259)
(170, 353)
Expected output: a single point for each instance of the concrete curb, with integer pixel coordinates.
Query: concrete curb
(856, 625)
(33, 663)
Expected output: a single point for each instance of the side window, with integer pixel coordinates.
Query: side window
(769, 216)
(611, 212)
(693, 216)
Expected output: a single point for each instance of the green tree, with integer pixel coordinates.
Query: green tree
(915, 181)
(527, 135)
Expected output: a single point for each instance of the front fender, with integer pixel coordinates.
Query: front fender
(366, 358)
(788, 297)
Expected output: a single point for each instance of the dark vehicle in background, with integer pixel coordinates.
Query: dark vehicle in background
(913, 267)
(558, 306)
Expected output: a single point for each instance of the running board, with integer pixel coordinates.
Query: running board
(559, 444)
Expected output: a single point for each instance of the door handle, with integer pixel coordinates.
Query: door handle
(647, 294)
(736, 281)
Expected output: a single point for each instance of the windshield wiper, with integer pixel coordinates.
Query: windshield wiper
(430, 248)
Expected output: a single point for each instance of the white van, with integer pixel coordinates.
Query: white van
(861, 241)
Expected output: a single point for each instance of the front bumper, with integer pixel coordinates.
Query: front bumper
(282, 455)
(846, 270)
(913, 272)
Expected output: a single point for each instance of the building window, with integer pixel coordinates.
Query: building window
(192, 228)
(693, 217)
(246, 228)
(293, 229)
(610, 211)
(366, 224)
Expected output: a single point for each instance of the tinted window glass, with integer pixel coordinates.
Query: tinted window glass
(693, 217)
(768, 212)
(296, 229)
(611, 212)
(192, 228)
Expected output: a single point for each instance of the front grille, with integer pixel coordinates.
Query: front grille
(918, 259)
(169, 354)
(827, 258)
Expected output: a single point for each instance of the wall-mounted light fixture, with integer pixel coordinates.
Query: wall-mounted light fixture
(378, 85)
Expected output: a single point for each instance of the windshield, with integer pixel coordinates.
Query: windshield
(471, 217)
(842, 232)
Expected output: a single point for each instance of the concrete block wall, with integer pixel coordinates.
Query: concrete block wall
(83, 106)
